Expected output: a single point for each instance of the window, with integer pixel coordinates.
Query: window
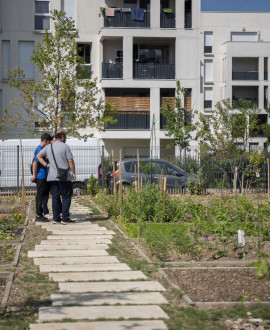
(208, 70)
(208, 97)
(1, 112)
(244, 36)
(69, 6)
(208, 42)
(42, 18)
(25, 52)
(84, 50)
(0, 15)
(5, 58)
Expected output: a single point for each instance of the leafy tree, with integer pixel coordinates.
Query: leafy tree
(59, 97)
(227, 133)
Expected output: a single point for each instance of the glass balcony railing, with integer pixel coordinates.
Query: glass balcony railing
(125, 19)
(112, 70)
(188, 20)
(153, 71)
(207, 104)
(131, 120)
(248, 75)
(208, 49)
(253, 101)
(84, 71)
(167, 20)
(266, 75)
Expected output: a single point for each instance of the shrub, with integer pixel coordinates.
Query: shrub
(92, 186)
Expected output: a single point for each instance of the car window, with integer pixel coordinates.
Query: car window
(128, 166)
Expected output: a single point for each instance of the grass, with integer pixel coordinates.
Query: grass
(89, 204)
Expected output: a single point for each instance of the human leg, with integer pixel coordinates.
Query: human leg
(56, 201)
(66, 192)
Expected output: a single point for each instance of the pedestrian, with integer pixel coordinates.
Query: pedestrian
(60, 176)
(40, 173)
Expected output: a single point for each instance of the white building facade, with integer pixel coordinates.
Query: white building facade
(138, 49)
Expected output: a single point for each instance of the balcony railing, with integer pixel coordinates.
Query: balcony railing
(208, 49)
(167, 20)
(163, 121)
(248, 75)
(131, 120)
(112, 70)
(207, 104)
(253, 101)
(153, 71)
(124, 19)
(266, 75)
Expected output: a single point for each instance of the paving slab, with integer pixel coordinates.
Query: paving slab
(67, 253)
(79, 237)
(97, 276)
(56, 247)
(99, 240)
(78, 226)
(82, 232)
(83, 287)
(96, 299)
(47, 314)
(83, 268)
(76, 260)
(109, 325)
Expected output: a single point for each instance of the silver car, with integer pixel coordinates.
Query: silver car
(151, 170)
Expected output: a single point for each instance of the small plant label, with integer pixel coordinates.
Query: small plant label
(257, 174)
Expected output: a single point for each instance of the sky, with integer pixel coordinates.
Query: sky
(236, 5)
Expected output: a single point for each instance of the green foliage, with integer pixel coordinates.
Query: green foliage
(179, 121)
(58, 97)
(196, 184)
(92, 186)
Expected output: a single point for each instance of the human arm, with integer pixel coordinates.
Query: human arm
(72, 167)
(40, 157)
(35, 170)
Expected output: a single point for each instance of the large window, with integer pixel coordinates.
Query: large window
(25, 52)
(84, 50)
(208, 97)
(0, 15)
(208, 42)
(69, 6)
(208, 70)
(5, 58)
(42, 18)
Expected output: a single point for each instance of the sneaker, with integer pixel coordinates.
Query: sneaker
(56, 221)
(41, 218)
(64, 222)
(70, 221)
(48, 216)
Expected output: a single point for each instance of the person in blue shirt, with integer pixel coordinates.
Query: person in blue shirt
(40, 174)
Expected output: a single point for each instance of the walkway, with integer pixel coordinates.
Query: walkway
(94, 287)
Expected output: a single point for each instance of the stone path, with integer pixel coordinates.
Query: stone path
(94, 287)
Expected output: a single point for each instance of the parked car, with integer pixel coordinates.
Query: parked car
(150, 171)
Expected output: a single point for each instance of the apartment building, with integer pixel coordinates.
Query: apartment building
(138, 49)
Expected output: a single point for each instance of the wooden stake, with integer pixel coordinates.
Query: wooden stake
(268, 178)
(23, 186)
(138, 167)
(120, 177)
(114, 182)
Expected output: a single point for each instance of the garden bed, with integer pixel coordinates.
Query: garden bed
(220, 284)
(9, 254)
(6, 279)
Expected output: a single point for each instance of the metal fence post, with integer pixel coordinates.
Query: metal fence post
(102, 168)
(18, 169)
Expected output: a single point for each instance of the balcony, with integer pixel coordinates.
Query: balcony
(125, 20)
(153, 71)
(112, 70)
(207, 104)
(248, 75)
(253, 101)
(131, 120)
(167, 20)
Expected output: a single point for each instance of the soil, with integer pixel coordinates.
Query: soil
(221, 285)
(2, 286)
(7, 254)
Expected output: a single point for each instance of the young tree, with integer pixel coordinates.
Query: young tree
(179, 120)
(60, 98)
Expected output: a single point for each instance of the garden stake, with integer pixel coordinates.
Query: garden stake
(114, 183)
(120, 177)
(23, 187)
(138, 162)
(268, 178)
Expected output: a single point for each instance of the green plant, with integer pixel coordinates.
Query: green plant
(92, 186)
(196, 184)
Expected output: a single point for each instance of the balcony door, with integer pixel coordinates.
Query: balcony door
(144, 4)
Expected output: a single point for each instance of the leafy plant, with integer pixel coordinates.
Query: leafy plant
(92, 186)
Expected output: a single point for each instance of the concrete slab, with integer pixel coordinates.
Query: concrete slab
(76, 260)
(47, 314)
(56, 247)
(83, 268)
(109, 325)
(67, 253)
(78, 226)
(81, 232)
(77, 287)
(79, 237)
(99, 240)
(96, 299)
(97, 276)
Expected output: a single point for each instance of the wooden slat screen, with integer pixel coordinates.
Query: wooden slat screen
(129, 103)
(188, 102)
(171, 100)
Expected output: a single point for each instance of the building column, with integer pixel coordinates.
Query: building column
(180, 14)
(229, 70)
(155, 14)
(99, 74)
(128, 57)
(261, 96)
(155, 113)
(261, 68)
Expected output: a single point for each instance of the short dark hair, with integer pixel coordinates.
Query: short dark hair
(59, 135)
(46, 137)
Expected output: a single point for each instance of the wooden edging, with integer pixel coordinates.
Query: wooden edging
(229, 304)
(4, 301)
